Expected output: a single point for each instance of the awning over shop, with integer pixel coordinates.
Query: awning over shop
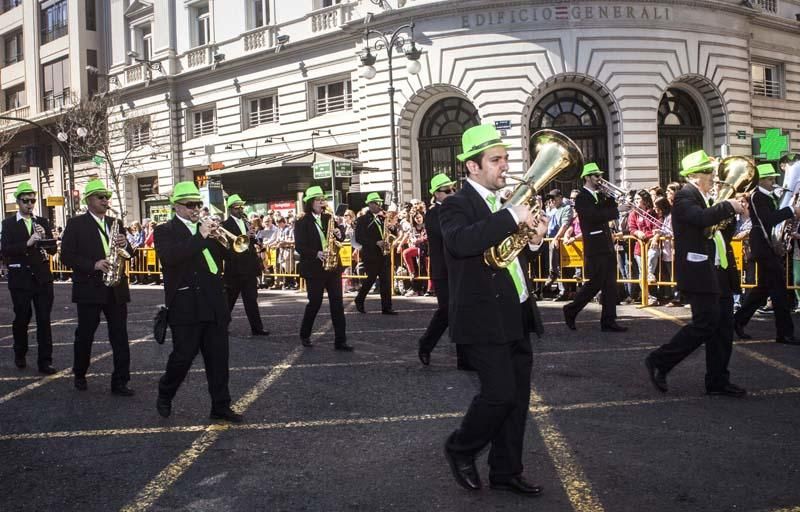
(302, 159)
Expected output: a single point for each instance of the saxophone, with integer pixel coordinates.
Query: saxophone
(388, 237)
(117, 257)
(332, 257)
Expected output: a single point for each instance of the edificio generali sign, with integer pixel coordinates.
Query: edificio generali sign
(565, 13)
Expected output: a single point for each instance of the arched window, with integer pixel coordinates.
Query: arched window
(440, 138)
(680, 132)
(579, 117)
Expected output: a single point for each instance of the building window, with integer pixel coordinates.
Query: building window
(262, 110)
(15, 97)
(334, 96)
(91, 76)
(91, 15)
(54, 20)
(55, 84)
(204, 122)
(202, 24)
(137, 133)
(259, 13)
(7, 5)
(17, 163)
(143, 40)
(328, 3)
(13, 47)
(766, 80)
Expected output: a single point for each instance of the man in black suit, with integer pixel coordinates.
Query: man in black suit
(198, 310)
(87, 243)
(771, 278)
(242, 270)
(311, 241)
(441, 187)
(703, 273)
(595, 211)
(491, 316)
(29, 278)
(370, 230)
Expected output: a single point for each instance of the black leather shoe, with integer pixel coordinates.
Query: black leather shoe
(47, 370)
(787, 340)
(517, 485)
(569, 319)
(727, 390)
(657, 377)
(389, 311)
(464, 471)
(360, 307)
(20, 362)
(81, 384)
(615, 327)
(739, 328)
(227, 415)
(164, 406)
(424, 357)
(344, 347)
(261, 332)
(560, 298)
(122, 390)
(306, 342)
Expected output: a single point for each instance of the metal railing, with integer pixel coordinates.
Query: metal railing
(767, 88)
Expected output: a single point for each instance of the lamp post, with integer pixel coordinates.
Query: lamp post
(391, 41)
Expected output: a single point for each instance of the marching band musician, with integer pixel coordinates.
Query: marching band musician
(370, 231)
(195, 296)
(704, 270)
(29, 278)
(311, 241)
(243, 269)
(595, 211)
(86, 246)
(492, 314)
(771, 281)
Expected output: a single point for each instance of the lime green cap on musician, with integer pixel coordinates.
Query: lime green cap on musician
(439, 181)
(479, 138)
(23, 188)
(589, 169)
(185, 191)
(696, 162)
(313, 193)
(374, 197)
(95, 187)
(234, 199)
(766, 171)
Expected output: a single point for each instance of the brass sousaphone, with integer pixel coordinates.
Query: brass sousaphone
(736, 174)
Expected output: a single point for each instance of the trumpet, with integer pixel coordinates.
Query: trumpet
(238, 243)
(620, 195)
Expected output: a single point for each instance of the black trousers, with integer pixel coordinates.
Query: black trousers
(498, 413)
(439, 322)
(210, 339)
(117, 319)
(712, 324)
(248, 287)
(374, 272)
(41, 300)
(332, 283)
(772, 284)
(601, 269)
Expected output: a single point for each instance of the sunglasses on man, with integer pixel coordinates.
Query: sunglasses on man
(192, 205)
(102, 197)
(32, 200)
(446, 190)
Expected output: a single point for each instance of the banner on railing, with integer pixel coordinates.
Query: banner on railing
(572, 254)
(346, 254)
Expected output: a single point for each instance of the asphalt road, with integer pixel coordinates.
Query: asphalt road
(331, 431)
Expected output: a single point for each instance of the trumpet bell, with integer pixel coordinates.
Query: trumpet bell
(241, 243)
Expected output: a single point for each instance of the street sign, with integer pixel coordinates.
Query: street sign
(502, 125)
(215, 166)
(344, 169)
(741, 135)
(54, 200)
(322, 170)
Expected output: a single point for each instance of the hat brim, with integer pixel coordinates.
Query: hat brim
(697, 168)
(176, 200)
(236, 203)
(96, 192)
(447, 184)
(769, 175)
(315, 196)
(464, 156)
(17, 194)
(589, 173)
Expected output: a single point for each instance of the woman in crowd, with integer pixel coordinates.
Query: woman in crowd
(642, 227)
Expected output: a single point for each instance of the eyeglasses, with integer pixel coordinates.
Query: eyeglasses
(102, 197)
(32, 200)
(193, 205)
(446, 190)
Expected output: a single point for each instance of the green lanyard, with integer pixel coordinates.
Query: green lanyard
(514, 268)
(322, 238)
(104, 236)
(29, 225)
(380, 226)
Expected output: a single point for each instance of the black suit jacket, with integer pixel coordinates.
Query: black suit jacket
(368, 234)
(81, 248)
(484, 304)
(694, 251)
(240, 265)
(594, 218)
(435, 243)
(192, 293)
(308, 244)
(762, 207)
(26, 266)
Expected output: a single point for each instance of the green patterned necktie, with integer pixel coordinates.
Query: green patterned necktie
(212, 265)
(514, 268)
(29, 225)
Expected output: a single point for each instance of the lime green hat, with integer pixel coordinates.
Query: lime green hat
(232, 200)
(589, 169)
(313, 193)
(23, 188)
(439, 181)
(185, 191)
(374, 197)
(695, 162)
(95, 186)
(766, 171)
(479, 138)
